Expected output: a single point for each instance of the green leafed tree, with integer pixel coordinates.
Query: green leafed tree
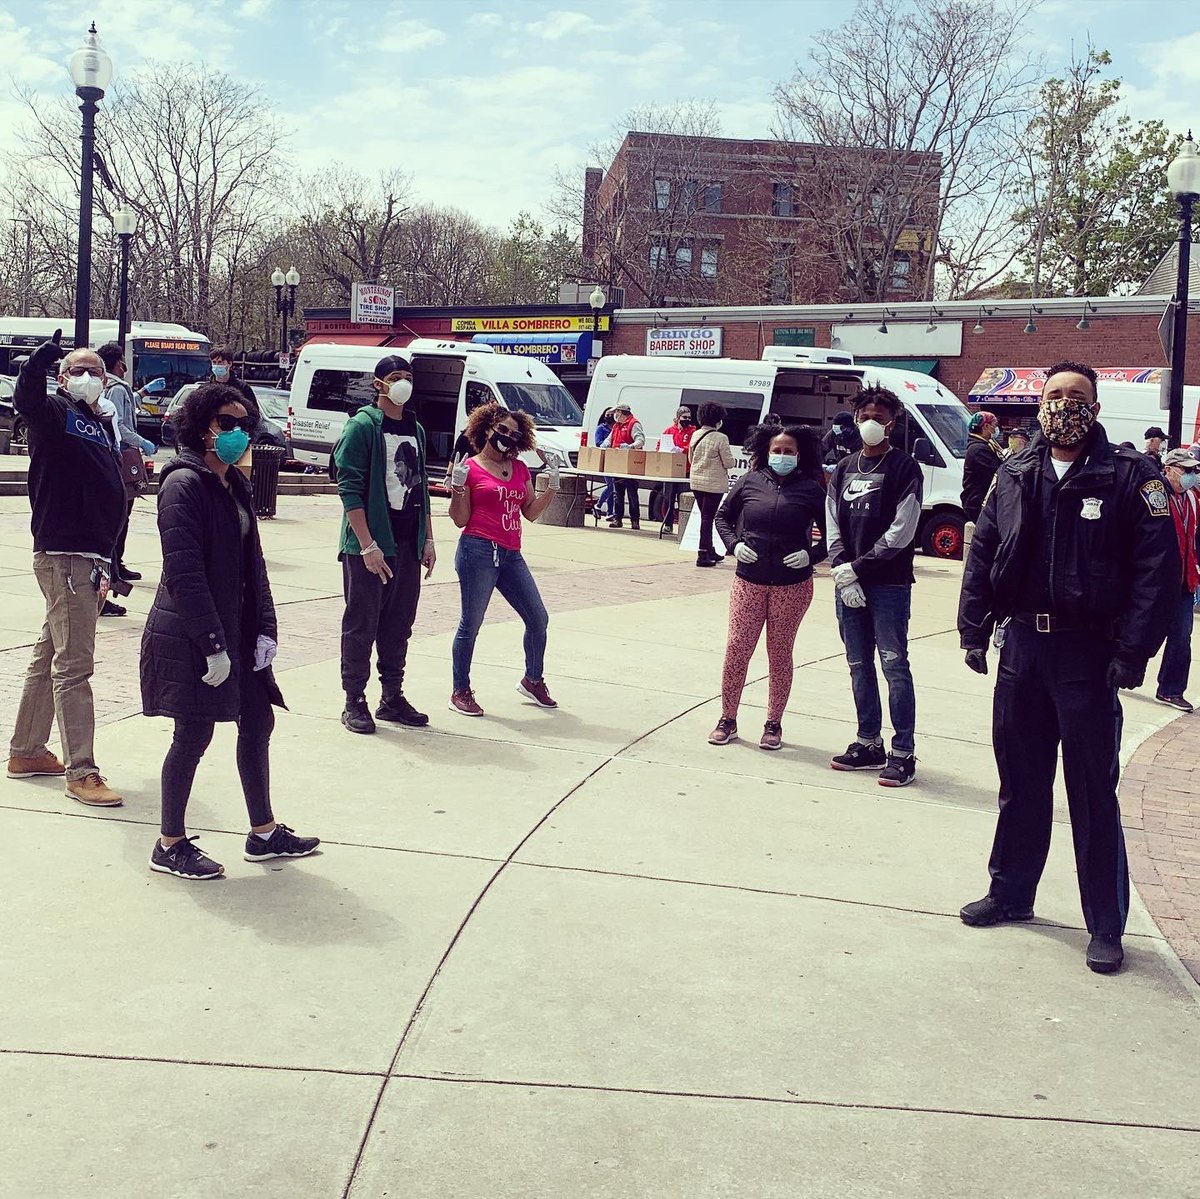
(1093, 201)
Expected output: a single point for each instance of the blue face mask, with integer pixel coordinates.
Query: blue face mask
(1187, 480)
(782, 464)
(230, 446)
(220, 372)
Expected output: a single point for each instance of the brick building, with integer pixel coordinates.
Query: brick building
(677, 220)
(957, 342)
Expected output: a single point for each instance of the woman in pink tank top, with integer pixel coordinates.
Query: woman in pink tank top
(489, 494)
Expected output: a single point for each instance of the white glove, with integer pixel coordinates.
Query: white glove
(853, 596)
(843, 576)
(219, 667)
(459, 472)
(743, 553)
(797, 561)
(552, 469)
(265, 650)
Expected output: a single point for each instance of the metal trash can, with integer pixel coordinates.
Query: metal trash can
(264, 478)
(567, 508)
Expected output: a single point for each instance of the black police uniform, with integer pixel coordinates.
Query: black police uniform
(1084, 571)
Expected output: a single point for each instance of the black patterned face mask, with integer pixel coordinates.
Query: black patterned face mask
(1066, 422)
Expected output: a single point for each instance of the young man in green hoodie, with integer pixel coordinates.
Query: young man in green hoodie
(387, 536)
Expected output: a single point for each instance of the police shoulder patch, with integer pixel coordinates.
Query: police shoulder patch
(1154, 495)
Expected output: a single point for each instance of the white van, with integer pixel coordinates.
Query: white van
(1127, 410)
(332, 381)
(802, 386)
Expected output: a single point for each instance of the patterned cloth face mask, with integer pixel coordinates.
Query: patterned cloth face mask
(1066, 422)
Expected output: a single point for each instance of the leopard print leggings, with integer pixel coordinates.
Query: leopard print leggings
(781, 609)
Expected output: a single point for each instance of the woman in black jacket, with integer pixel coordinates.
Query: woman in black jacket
(768, 518)
(211, 634)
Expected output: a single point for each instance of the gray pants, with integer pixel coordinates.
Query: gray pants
(58, 682)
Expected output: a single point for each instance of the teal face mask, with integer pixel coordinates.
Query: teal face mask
(782, 464)
(220, 372)
(230, 446)
(1187, 480)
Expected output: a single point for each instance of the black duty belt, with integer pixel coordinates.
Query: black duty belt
(1047, 622)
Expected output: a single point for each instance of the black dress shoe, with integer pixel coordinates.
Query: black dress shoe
(111, 609)
(130, 576)
(1104, 953)
(987, 911)
(397, 710)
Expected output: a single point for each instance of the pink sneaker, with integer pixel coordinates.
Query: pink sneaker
(463, 702)
(536, 692)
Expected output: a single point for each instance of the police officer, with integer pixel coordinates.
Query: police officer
(1075, 566)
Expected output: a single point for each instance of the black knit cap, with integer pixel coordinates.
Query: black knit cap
(393, 362)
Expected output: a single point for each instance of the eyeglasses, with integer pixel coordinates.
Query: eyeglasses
(511, 434)
(227, 423)
(77, 372)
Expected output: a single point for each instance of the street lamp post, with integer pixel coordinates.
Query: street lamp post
(597, 300)
(91, 72)
(1183, 178)
(124, 222)
(285, 306)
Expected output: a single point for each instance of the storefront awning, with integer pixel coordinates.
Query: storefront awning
(554, 349)
(922, 366)
(1023, 384)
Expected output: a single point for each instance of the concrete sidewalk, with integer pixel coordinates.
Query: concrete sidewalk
(570, 953)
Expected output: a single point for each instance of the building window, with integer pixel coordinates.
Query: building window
(901, 273)
(689, 195)
(658, 256)
(683, 258)
(662, 194)
(780, 281)
(782, 201)
(708, 262)
(712, 197)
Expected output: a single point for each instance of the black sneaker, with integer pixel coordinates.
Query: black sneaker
(989, 910)
(130, 576)
(859, 757)
(184, 860)
(397, 710)
(1174, 701)
(1104, 953)
(899, 771)
(282, 843)
(111, 609)
(357, 716)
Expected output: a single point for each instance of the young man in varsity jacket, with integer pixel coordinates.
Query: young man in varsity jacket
(873, 507)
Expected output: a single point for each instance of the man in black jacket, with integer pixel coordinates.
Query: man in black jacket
(1075, 566)
(981, 462)
(78, 502)
(842, 439)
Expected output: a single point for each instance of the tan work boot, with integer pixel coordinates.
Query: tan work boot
(27, 768)
(93, 791)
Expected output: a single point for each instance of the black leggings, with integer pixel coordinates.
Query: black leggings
(708, 502)
(192, 738)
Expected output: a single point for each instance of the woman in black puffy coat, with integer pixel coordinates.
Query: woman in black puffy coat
(211, 634)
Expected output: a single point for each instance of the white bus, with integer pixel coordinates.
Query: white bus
(164, 351)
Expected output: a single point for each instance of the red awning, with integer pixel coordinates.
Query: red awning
(352, 339)
(1023, 384)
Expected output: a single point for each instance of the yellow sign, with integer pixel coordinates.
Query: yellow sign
(187, 346)
(914, 239)
(526, 324)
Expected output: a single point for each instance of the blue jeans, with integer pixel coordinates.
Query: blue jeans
(484, 567)
(605, 499)
(1177, 653)
(882, 625)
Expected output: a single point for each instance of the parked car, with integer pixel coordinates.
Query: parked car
(9, 418)
(274, 412)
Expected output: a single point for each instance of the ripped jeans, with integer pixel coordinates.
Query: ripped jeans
(882, 625)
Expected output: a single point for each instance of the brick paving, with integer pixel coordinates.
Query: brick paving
(1162, 831)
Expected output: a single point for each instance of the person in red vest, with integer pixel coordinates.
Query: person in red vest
(627, 433)
(1180, 468)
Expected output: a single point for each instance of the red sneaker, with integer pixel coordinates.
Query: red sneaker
(536, 692)
(463, 702)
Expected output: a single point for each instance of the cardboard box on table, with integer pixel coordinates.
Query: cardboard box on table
(625, 461)
(666, 466)
(591, 458)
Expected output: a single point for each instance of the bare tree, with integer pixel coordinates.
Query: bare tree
(916, 109)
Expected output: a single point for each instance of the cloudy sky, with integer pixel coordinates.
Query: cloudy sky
(482, 100)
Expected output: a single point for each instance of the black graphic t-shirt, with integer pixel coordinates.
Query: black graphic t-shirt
(403, 476)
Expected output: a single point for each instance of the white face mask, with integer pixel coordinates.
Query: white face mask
(84, 387)
(400, 391)
(872, 432)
